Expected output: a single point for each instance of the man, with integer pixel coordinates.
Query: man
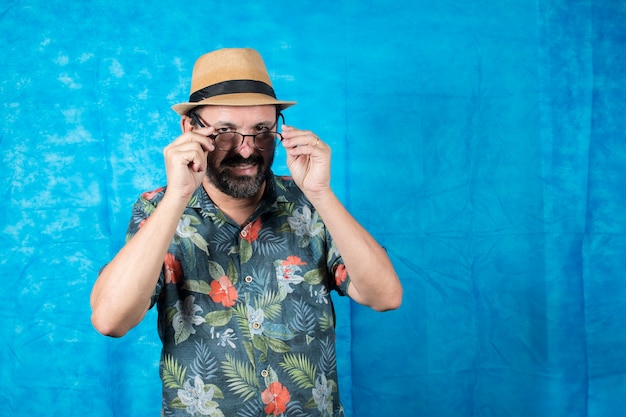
(240, 262)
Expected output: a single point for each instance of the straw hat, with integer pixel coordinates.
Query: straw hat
(230, 77)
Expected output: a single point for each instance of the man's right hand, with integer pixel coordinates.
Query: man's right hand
(186, 162)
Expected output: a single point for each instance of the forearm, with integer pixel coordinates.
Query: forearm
(373, 279)
(121, 295)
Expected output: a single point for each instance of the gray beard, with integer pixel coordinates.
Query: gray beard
(239, 187)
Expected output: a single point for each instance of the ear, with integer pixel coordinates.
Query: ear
(185, 124)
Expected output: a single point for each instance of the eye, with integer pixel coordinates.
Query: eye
(262, 128)
(224, 129)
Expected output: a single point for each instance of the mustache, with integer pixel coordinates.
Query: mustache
(240, 160)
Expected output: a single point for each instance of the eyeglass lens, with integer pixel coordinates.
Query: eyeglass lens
(228, 141)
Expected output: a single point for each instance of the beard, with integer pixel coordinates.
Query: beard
(239, 186)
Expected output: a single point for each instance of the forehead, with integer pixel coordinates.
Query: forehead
(238, 115)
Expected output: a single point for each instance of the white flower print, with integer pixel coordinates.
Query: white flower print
(185, 318)
(184, 228)
(322, 395)
(186, 231)
(305, 223)
(197, 399)
(256, 317)
(321, 295)
(225, 338)
(286, 275)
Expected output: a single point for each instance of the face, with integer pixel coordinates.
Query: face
(239, 173)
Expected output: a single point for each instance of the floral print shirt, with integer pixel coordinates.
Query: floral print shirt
(245, 313)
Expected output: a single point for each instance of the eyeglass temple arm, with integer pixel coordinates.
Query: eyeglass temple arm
(196, 119)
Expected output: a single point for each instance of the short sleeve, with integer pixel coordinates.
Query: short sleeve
(142, 209)
(340, 279)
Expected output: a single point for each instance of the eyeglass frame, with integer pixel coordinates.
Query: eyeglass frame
(198, 120)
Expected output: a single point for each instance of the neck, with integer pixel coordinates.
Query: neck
(238, 209)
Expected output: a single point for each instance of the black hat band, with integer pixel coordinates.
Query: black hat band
(232, 87)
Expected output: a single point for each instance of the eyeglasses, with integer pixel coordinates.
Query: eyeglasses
(230, 141)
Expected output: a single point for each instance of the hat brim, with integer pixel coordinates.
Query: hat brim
(238, 99)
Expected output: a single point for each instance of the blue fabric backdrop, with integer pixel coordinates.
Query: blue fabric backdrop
(481, 142)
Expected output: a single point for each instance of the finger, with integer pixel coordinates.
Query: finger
(204, 131)
(190, 155)
(192, 140)
(207, 143)
(300, 138)
(197, 163)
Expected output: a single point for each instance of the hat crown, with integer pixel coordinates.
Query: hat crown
(230, 77)
(227, 65)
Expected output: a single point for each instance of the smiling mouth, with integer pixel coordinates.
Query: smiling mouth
(241, 166)
(248, 169)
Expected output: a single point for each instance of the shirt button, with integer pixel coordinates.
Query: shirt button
(244, 233)
(256, 325)
(248, 279)
(264, 373)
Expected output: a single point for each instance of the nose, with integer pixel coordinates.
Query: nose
(247, 146)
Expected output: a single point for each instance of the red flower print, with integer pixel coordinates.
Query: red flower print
(276, 396)
(222, 291)
(293, 260)
(173, 271)
(149, 195)
(251, 231)
(340, 274)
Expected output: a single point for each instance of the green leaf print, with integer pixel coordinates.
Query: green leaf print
(285, 209)
(241, 315)
(245, 251)
(217, 392)
(187, 232)
(277, 345)
(192, 219)
(313, 277)
(249, 350)
(177, 403)
(181, 334)
(218, 318)
(285, 228)
(241, 377)
(173, 373)
(197, 286)
(260, 344)
(169, 315)
(270, 303)
(300, 369)
(148, 206)
(326, 322)
(188, 249)
(199, 241)
(215, 270)
(232, 272)
(278, 331)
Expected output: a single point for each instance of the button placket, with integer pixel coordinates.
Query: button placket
(244, 232)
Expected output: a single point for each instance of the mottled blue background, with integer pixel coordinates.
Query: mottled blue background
(482, 142)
